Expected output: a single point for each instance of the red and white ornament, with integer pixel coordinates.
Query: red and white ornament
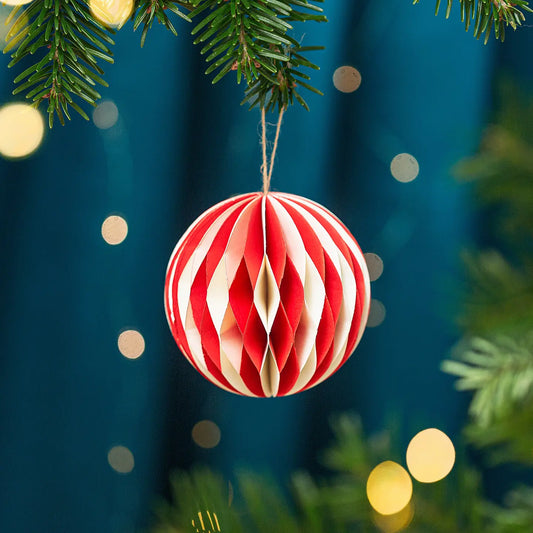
(267, 294)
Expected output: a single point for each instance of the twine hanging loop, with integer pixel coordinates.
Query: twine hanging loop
(267, 169)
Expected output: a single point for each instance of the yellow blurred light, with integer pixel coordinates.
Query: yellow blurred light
(21, 130)
(120, 459)
(404, 168)
(114, 229)
(131, 344)
(374, 264)
(208, 523)
(393, 523)
(206, 434)
(389, 488)
(347, 79)
(377, 314)
(111, 12)
(16, 2)
(430, 456)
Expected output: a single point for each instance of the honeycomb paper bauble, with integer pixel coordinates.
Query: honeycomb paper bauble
(267, 294)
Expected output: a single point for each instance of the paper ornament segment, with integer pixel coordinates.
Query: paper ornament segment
(267, 294)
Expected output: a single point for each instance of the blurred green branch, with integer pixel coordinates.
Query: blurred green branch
(495, 361)
(336, 504)
(499, 372)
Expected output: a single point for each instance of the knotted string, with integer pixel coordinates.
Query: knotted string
(265, 169)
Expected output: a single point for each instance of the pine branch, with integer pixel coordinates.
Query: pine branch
(498, 372)
(250, 37)
(484, 15)
(281, 90)
(503, 170)
(517, 515)
(67, 42)
(507, 439)
(500, 375)
(351, 452)
(247, 36)
(499, 297)
(147, 11)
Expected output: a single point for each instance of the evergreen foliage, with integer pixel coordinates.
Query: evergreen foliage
(147, 11)
(337, 504)
(66, 43)
(484, 15)
(257, 504)
(254, 38)
(500, 373)
(503, 169)
(499, 297)
(251, 38)
(516, 516)
(247, 36)
(495, 361)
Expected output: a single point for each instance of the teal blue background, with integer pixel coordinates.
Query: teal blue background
(180, 145)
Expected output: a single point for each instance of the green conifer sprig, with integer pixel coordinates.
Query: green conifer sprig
(517, 515)
(238, 35)
(508, 439)
(252, 39)
(506, 151)
(248, 36)
(281, 89)
(499, 372)
(499, 297)
(65, 43)
(484, 15)
(148, 11)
